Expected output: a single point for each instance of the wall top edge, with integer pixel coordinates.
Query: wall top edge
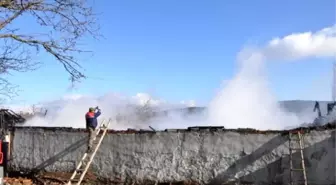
(329, 126)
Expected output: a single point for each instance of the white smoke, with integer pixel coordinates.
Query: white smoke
(69, 111)
(245, 101)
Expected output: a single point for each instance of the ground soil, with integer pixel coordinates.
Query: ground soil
(60, 178)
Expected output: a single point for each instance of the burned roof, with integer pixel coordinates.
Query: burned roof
(10, 115)
(328, 126)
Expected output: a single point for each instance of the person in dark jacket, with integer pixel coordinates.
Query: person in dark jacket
(91, 124)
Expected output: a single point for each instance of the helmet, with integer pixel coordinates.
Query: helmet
(91, 109)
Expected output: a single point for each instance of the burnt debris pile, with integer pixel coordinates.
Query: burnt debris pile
(9, 119)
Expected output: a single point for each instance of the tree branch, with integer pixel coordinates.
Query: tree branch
(16, 14)
(64, 23)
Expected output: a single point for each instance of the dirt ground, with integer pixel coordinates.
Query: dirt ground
(61, 178)
(18, 181)
(49, 179)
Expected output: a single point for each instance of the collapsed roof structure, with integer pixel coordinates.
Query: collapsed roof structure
(8, 120)
(330, 115)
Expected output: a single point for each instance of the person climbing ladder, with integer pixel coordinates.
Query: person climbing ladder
(91, 124)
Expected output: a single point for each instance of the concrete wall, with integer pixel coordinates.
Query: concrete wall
(208, 157)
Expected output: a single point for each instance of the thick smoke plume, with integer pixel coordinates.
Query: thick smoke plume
(126, 112)
(245, 101)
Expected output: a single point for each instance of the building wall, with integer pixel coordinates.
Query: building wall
(207, 157)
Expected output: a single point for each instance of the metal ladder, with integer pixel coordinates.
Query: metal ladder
(84, 164)
(299, 140)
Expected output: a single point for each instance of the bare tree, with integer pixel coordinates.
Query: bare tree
(62, 23)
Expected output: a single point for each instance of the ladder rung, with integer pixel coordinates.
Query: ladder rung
(299, 180)
(294, 139)
(95, 143)
(85, 161)
(77, 175)
(297, 169)
(295, 142)
(97, 139)
(296, 148)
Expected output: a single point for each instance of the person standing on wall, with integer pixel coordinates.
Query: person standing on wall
(91, 124)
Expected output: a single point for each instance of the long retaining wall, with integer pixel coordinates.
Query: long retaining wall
(209, 157)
